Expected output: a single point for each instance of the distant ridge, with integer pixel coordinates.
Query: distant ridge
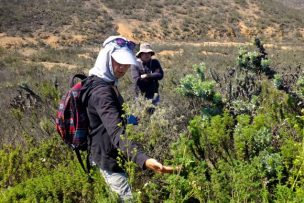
(155, 20)
(296, 4)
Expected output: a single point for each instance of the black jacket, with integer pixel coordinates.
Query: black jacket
(104, 108)
(148, 86)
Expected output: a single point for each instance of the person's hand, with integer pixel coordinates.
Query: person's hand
(158, 167)
(143, 76)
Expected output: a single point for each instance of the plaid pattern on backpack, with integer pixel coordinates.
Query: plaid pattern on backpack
(72, 122)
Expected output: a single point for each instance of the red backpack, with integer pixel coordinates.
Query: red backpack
(72, 122)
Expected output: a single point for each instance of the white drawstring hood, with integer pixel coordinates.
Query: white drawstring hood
(103, 65)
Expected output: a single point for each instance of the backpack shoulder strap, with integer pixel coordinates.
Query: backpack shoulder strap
(88, 164)
(89, 85)
(118, 95)
(80, 76)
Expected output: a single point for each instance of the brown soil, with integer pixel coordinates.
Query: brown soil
(27, 51)
(170, 52)
(49, 39)
(50, 65)
(86, 56)
(10, 41)
(52, 40)
(126, 27)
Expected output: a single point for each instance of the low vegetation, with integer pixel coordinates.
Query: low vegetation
(242, 143)
(230, 116)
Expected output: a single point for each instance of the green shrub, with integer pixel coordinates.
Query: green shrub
(278, 81)
(250, 156)
(48, 172)
(196, 86)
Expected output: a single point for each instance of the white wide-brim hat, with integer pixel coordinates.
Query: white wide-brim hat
(124, 55)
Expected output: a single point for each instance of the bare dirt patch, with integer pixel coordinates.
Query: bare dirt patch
(65, 39)
(251, 12)
(49, 65)
(126, 27)
(270, 31)
(52, 41)
(208, 53)
(211, 44)
(12, 41)
(86, 56)
(244, 29)
(302, 32)
(129, 28)
(27, 51)
(235, 44)
(78, 38)
(170, 52)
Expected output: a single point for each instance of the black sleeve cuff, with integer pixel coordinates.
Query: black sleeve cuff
(141, 159)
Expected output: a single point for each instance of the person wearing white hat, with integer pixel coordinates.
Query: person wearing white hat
(104, 109)
(147, 73)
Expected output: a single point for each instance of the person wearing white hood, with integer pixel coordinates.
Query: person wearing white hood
(104, 109)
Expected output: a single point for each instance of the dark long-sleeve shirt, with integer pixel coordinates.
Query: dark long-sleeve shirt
(104, 108)
(149, 85)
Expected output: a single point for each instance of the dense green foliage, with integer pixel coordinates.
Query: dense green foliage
(238, 144)
(43, 174)
(244, 157)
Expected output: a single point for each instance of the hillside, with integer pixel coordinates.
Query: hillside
(231, 111)
(76, 22)
(297, 4)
